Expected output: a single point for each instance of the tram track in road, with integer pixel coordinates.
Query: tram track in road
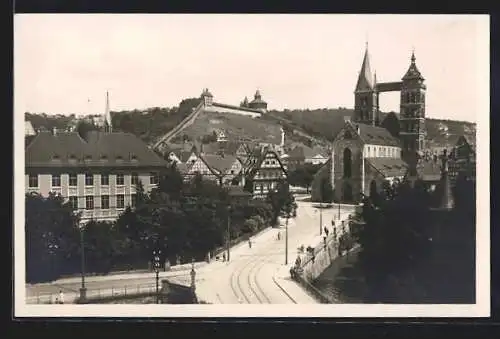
(252, 275)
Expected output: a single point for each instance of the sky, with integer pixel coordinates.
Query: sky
(65, 63)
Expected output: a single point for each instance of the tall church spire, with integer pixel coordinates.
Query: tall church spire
(107, 116)
(365, 75)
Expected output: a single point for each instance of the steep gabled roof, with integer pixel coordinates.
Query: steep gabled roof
(389, 167)
(257, 164)
(97, 150)
(374, 135)
(221, 164)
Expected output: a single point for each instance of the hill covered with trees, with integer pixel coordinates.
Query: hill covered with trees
(306, 126)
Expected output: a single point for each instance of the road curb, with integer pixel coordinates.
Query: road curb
(282, 288)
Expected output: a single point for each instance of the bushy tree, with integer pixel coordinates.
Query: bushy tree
(282, 202)
(303, 175)
(52, 237)
(326, 190)
(394, 236)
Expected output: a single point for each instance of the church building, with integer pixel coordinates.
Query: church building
(365, 154)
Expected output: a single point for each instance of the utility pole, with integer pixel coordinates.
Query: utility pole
(320, 218)
(83, 289)
(156, 263)
(321, 209)
(228, 237)
(286, 237)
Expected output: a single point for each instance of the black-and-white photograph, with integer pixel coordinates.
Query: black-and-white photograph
(235, 163)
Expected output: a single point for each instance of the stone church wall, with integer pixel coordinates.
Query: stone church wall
(356, 168)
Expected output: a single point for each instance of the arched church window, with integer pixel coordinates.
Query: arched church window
(347, 163)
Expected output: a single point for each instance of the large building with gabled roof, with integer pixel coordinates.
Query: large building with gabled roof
(97, 171)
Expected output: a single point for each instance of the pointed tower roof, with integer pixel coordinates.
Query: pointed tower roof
(365, 75)
(107, 115)
(413, 73)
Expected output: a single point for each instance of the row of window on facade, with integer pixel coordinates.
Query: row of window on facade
(381, 151)
(269, 174)
(104, 158)
(105, 202)
(264, 187)
(89, 180)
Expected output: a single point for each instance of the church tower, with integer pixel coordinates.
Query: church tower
(412, 116)
(365, 95)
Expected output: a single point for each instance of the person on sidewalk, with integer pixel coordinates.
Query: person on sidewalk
(61, 297)
(249, 243)
(279, 236)
(224, 257)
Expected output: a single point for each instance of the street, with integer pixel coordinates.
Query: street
(258, 275)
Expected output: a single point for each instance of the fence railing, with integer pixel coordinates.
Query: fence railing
(71, 297)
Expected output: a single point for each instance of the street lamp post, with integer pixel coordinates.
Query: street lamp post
(83, 289)
(228, 231)
(321, 217)
(286, 238)
(156, 263)
(339, 211)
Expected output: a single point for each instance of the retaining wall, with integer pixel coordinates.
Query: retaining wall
(313, 265)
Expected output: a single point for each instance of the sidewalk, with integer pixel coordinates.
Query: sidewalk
(292, 289)
(178, 270)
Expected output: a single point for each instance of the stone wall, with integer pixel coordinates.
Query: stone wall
(324, 254)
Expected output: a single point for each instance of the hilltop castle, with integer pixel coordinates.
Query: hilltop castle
(255, 108)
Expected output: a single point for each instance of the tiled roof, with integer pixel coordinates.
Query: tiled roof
(227, 147)
(259, 159)
(389, 167)
(375, 135)
(219, 163)
(99, 149)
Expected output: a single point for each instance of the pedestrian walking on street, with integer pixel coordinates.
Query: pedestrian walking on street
(61, 297)
(249, 243)
(279, 235)
(224, 256)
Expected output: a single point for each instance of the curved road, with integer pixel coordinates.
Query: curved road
(251, 275)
